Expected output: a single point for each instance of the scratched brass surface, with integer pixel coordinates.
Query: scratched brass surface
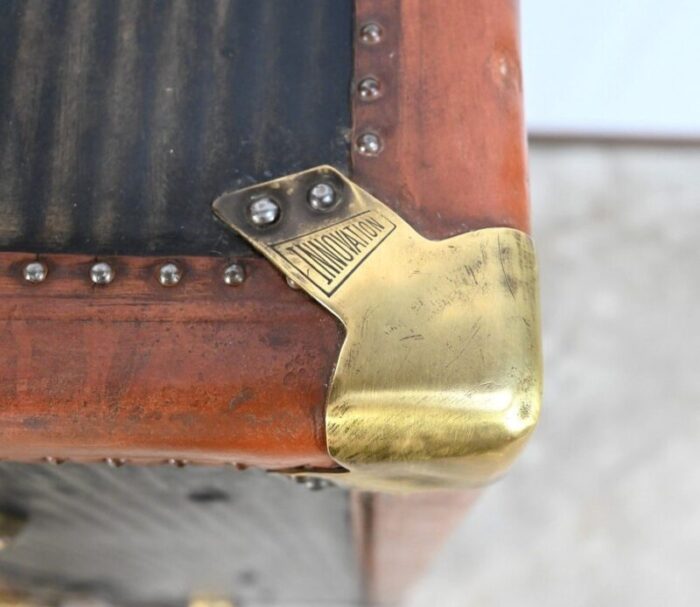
(438, 382)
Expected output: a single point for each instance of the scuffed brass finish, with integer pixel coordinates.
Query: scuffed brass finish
(438, 382)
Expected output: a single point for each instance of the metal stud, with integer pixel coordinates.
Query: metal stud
(322, 197)
(371, 33)
(234, 274)
(292, 285)
(178, 463)
(369, 88)
(35, 271)
(101, 273)
(115, 462)
(11, 524)
(264, 211)
(313, 483)
(169, 274)
(369, 144)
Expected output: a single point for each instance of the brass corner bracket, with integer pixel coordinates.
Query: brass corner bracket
(438, 382)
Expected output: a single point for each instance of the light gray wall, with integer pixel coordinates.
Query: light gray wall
(612, 66)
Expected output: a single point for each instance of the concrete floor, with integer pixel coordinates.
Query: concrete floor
(604, 506)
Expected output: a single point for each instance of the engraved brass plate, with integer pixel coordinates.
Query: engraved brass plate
(438, 382)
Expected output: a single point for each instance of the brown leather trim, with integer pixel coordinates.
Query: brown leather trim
(450, 113)
(202, 371)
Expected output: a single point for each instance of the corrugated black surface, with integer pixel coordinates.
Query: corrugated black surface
(122, 120)
(158, 535)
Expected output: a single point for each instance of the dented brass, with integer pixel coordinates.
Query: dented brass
(438, 381)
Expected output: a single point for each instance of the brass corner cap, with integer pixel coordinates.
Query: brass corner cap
(438, 382)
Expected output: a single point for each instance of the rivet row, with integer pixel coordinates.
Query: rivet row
(118, 462)
(264, 211)
(102, 273)
(369, 89)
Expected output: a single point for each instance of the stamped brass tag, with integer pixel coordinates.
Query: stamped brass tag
(438, 382)
(329, 256)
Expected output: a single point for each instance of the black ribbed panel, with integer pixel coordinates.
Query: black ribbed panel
(156, 535)
(122, 120)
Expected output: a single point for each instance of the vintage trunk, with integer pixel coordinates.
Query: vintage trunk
(120, 123)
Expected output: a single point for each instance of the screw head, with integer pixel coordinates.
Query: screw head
(169, 274)
(371, 33)
(264, 211)
(322, 197)
(35, 271)
(369, 88)
(234, 274)
(101, 273)
(292, 285)
(369, 144)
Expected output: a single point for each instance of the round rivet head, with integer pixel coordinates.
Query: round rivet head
(169, 274)
(101, 273)
(322, 197)
(369, 88)
(115, 462)
(35, 271)
(371, 33)
(264, 211)
(234, 274)
(369, 144)
(313, 483)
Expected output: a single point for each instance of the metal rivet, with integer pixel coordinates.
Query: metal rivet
(169, 274)
(35, 271)
(369, 144)
(234, 274)
(369, 88)
(115, 462)
(292, 285)
(313, 483)
(179, 463)
(11, 524)
(264, 211)
(371, 33)
(322, 197)
(101, 273)
(53, 460)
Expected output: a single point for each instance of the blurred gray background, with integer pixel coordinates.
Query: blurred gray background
(603, 508)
